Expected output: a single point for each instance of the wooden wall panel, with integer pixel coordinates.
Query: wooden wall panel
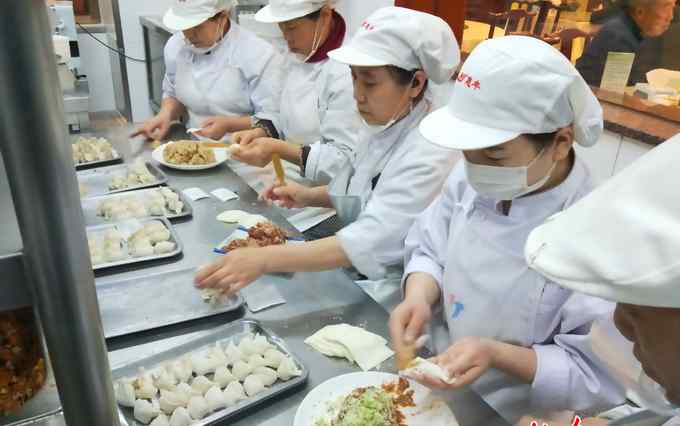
(452, 11)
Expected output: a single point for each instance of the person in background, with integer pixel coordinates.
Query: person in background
(317, 112)
(621, 243)
(627, 31)
(220, 75)
(396, 173)
(519, 340)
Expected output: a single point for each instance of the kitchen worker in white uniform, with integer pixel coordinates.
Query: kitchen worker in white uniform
(317, 113)
(622, 243)
(396, 174)
(519, 340)
(219, 74)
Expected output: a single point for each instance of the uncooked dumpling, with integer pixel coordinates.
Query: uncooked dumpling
(256, 360)
(202, 364)
(171, 400)
(217, 356)
(141, 248)
(201, 384)
(287, 370)
(423, 367)
(125, 392)
(197, 408)
(273, 358)
(187, 391)
(215, 399)
(164, 378)
(234, 354)
(145, 411)
(223, 376)
(161, 420)
(241, 370)
(247, 346)
(266, 374)
(160, 235)
(253, 385)
(180, 417)
(144, 387)
(182, 369)
(234, 393)
(261, 344)
(164, 247)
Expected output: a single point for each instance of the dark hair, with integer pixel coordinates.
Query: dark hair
(314, 16)
(541, 140)
(404, 77)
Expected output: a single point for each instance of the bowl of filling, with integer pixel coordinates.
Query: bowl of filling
(189, 155)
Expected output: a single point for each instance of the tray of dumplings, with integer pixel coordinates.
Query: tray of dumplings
(119, 178)
(91, 152)
(208, 380)
(157, 202)
(132, 241)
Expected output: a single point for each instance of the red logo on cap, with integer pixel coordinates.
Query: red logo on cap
(468, 81)
(367, 26)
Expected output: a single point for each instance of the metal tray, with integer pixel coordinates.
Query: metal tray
(166, 298)
(97, 180)
(223, 335)
(91, 164)
(90, 205)
(132, 260)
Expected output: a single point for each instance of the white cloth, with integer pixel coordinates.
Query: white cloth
(475, 255)
(490, 103)
(241, 77)
(412, 171)
(622, 241)
(318, 109)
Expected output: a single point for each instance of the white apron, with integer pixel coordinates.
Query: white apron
(489, 291)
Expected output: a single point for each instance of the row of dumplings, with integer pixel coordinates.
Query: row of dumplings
(138, 174)
(201, 383)
(88, 150)
(152, 238)
(156, 202)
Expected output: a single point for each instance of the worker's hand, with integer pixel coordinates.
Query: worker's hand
(232, 272)
(291, 195)
(216, 127)
(245, 137)
(466, 360)
(258, 153)
(155, 128)
(408, 322)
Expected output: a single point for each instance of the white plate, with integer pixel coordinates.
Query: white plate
(221, 155)
(427, 412)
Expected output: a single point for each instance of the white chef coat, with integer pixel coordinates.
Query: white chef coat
(476, 256)
(318, 109)
(240, 77)
(411, 171)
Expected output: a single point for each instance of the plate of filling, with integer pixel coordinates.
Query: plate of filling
(262, 234)
(372, 399)
(189, 155)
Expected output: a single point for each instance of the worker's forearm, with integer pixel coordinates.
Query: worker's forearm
(318, 197)
(422, 285)
(319, 255)
(514, 360)
(171, 108)
(289, 152)
(240, 123)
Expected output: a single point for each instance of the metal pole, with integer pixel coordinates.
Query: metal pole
(45, 193)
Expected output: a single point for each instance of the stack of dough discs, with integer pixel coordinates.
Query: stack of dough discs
(367, 349)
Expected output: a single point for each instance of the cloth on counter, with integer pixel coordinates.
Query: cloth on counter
(224, 194)
(310, 217)
(260, 296)
(195, 194)
(366, 349)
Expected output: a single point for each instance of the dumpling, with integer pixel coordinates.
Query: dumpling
(256, 360)
(156, 208)
(180, 417)
(261, 344)
(114, 254)
(234, 354)
(201, 384)
(168, 193)
(198, 407)
(266, 374)
(247, 346)
(170, 400)
(223, 377)
(175, 206)
(144, 386)
(203, 364)
(161, 420)
(164, 247)
(234, 393)
(241, 370)
(217, 356)
(253, 385)
(273, 358)
(160, 235)
(141, 248)
(125, 392)
(182, 369)
(215, 399)
(145, 411)
(287, 370)
(187, 391)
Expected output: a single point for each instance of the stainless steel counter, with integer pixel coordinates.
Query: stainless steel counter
(313, 299)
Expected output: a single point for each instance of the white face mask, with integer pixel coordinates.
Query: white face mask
(616, 352)
(205, 50)
(503, 183)
(375, 129)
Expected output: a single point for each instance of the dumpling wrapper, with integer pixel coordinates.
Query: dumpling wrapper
(198, 407)
(287, 370)
(252, 220)
(180, 417)
(367, 349)
(253, 385)
(232, 216)
(234, 393)
(215, 399)
(145, 411)
(161, 420)
(423, 367)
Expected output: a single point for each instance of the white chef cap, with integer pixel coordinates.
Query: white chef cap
(405, 38)
(510, 86)
(185, 14)
(622, 241)
(287, 10)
